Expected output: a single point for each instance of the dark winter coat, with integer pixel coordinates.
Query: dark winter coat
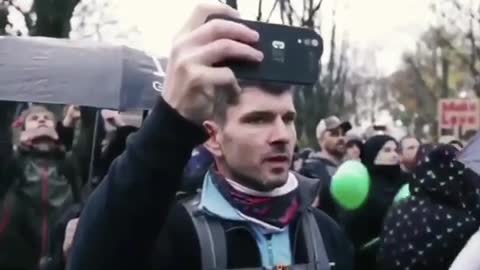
(124, 217)
(320, 168)
(428, 229)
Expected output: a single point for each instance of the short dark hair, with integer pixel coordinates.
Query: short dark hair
(224, 97)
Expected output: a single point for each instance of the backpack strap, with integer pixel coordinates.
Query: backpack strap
(317, 255)
(211, 235)
(213, 248)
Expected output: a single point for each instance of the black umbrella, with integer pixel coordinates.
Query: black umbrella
(61, 71)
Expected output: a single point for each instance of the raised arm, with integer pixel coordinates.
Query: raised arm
(122, 218)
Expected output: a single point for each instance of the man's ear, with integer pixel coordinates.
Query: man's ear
(213, 142)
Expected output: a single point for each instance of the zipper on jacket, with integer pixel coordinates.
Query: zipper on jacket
(270, 249)
(44, 211)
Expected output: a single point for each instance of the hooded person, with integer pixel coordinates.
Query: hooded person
(39, 180)
(430, 227)
(364, 224)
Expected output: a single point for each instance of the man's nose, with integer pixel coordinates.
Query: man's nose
(280, 132)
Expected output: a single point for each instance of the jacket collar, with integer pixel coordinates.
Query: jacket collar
(214, 203)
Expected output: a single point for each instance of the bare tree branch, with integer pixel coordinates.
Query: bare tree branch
(293, 12)
(271, 11)
(331, 61)
(305, 8)
(421, 80)
(317, 7)
(259, 13)
(3, 19)
(282, 10)
(288, 11)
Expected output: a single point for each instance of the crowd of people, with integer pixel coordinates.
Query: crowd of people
(214, 179)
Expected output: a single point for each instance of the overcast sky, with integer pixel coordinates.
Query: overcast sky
(384, 28)
(380, 30)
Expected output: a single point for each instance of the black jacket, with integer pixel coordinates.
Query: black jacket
(123, 218)
(323, 169)
(178, 245)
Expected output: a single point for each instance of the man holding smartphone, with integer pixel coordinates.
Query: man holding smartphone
(252, 211)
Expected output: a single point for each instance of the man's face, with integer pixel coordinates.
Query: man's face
(333, 141)
(409, 151)
(257, 140)
(39, 119)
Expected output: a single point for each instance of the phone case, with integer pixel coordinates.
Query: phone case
(291, 54)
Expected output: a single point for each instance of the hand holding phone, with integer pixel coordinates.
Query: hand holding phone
(291, 54)
(192, 80)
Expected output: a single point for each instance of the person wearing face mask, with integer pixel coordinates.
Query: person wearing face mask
(364, 224)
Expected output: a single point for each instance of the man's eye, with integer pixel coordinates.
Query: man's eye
(334, 133)
(289, 119)
(257, 120)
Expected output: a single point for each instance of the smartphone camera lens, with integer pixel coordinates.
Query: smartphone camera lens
(314, 42)
(299, 41)
(307, 42)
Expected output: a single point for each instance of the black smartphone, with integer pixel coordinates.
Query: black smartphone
(291, 54)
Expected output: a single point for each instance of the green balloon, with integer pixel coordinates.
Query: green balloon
(403, 193)
(350, 185)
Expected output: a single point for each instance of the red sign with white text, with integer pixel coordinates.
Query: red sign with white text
(458, 117)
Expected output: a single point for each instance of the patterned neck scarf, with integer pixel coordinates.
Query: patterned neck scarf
(275, 210)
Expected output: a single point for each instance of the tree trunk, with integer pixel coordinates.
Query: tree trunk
(3, 19)
(53, 20)
(53, 17)
(445, 77)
